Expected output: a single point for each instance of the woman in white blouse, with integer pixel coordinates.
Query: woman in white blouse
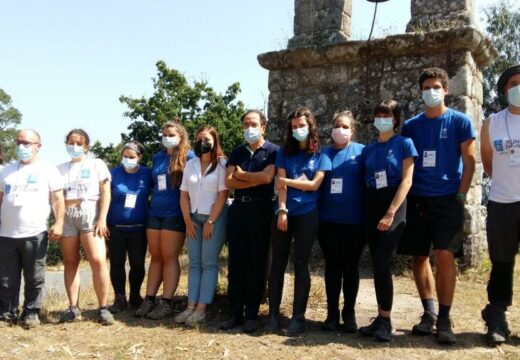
(203, 204)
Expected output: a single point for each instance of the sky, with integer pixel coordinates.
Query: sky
(65, 63)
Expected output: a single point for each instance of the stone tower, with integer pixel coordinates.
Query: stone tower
(323, 70)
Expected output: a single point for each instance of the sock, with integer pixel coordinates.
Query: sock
(428, 305)
(150, 297)
(444, 311)
(168, 301)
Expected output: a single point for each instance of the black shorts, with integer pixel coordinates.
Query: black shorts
(503, 230)
(171, 223)
(433, 221)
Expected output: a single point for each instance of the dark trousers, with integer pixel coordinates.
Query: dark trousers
(27, 255)
(303, 228)
(121, 243)
(248, 234)
(342, 246)
(382, 244)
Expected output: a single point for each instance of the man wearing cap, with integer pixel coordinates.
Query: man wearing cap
(28, 188)
(250, 172)
(500, 152)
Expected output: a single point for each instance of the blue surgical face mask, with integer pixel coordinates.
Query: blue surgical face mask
(75, 151)
(170, 142)
(433, 97)
(252, 134)
(513, 96)
(130, 163)
(383, 124)
(301, 134)
(24, 153)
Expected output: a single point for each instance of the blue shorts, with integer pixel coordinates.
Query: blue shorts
(171, 223)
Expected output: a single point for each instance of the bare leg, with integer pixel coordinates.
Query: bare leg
(445, 276)
(156, 265)
(97, 258)
(171, 246)
(70, 250)
(423, 276)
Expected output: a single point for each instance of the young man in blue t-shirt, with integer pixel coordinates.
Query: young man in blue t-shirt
(445, 141)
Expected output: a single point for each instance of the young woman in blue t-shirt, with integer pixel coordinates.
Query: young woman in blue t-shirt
(166, 229)
(301, 168)
(388, 163)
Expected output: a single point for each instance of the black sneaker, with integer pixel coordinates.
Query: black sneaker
(383, 330)
(120, 304)
(7, 318)
(445, 334)
(425, 326)
(371, 328)
(105, 317)
(273, 324)
(349, 323)
(331, 323)
(231, 323)
(296, 326)
(250, 326)
(30, 319)
(496, 323)
(71, 314)
(135, 300)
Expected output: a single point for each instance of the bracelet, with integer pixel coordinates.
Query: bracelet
(281, 210)
(211, 222)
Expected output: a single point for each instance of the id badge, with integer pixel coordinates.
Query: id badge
(20, 199)
(71, 193)
(130, 201)
(161, 182)
(381, 181)
(514, 157)
(429, 158)
(336, 186)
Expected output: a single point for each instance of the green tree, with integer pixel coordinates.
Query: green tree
(10, 117)
(503, 27)
(195, 104)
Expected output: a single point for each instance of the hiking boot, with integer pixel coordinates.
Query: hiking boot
(349, 323)
(496, 323)
(135, 300)
(146, 307)
(30, 319)
(383, 330)
(331, 323)
(162, 310)
(370, 329)
(120, 304)
(230, 323)
(296, 326)
(425, 326)
(273, 323)
(195, 318)
(105, 317)
(445, 334)
(250, 326)
(71, 314)
(183, 316)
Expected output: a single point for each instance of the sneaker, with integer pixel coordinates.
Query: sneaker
(273, 324)
(8, 318)
(371, 328)
(30, 319)
(71, 314)
(105, 317)
(296, 326)
(250, 326)
(135, 300)
(349, 323)
(195, 318)
(331, 323)
(496, 323)
(162, 310)
(120, 304)
(230, 323)
(445, 334)
(146, 307)
(425, 326)
(383, 330)
(181, 318)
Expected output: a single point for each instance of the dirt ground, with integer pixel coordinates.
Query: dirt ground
(132, 338)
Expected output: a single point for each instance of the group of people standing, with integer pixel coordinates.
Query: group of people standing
(403, 193)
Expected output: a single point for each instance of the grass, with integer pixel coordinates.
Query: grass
(132, 338)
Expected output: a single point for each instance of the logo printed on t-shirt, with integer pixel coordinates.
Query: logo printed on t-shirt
(444, 133)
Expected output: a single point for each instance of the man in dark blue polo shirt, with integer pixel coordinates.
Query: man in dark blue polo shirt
(250, 172)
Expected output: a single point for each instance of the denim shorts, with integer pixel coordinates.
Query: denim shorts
(172, 223)
(80, 219)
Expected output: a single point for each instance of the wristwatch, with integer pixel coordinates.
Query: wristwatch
(209, 221)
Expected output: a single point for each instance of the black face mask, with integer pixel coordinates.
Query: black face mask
(202, 147)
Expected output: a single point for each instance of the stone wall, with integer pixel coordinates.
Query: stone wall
(358, 75)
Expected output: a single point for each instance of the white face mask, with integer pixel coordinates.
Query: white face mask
(252, 134)
(170, 141)
(383, 124)
(341, 136)
(433, 97)
(129, 163)
(301, 134)
(513, 96)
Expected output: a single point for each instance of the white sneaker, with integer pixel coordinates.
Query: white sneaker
(183, 316)
(195, 318)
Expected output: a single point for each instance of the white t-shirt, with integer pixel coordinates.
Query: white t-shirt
(81, 179)
(203, 190)
(26, 198)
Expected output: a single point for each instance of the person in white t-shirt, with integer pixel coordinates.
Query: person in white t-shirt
(87, 199)
(28, 189)
(203, 205)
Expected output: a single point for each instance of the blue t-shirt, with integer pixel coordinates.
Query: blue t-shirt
(126, 187)
(343, 202)
(387, 156)
(255, 161)
(444, 135)
(301, 202)
(165, 202)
